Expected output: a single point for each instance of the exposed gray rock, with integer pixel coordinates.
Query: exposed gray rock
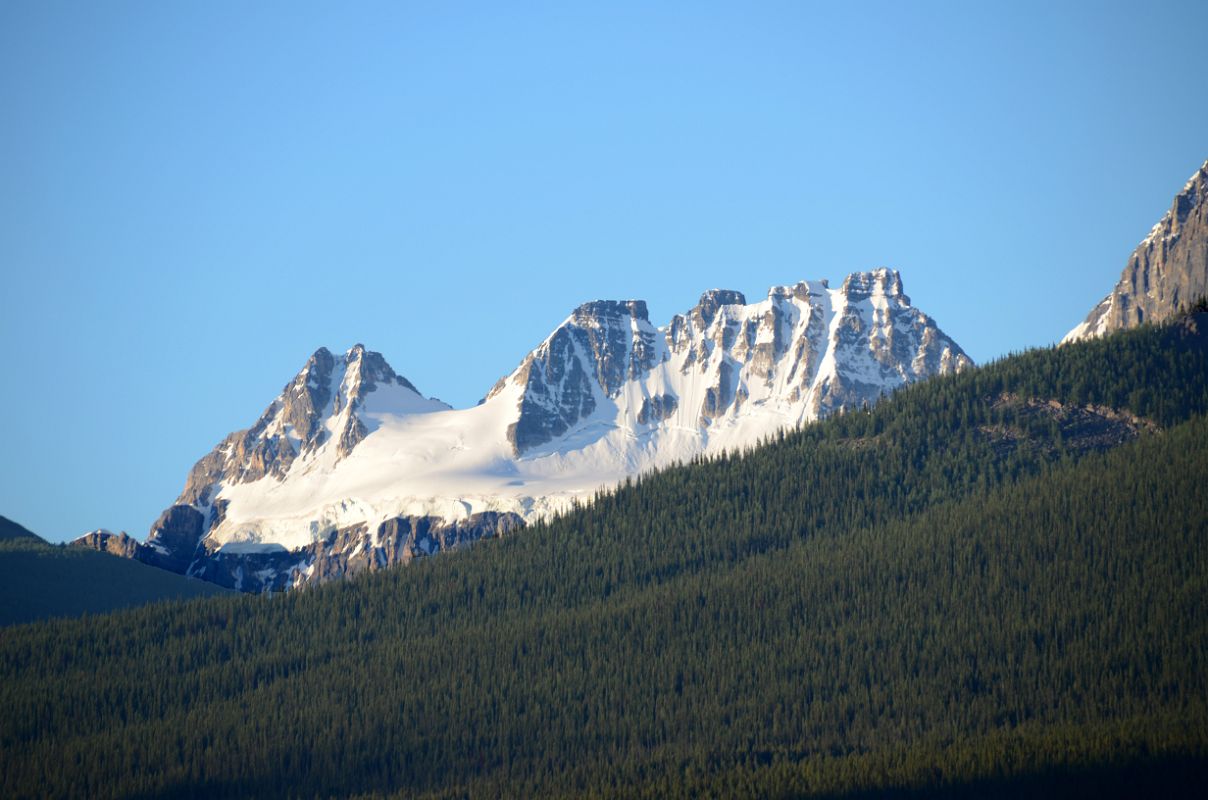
(587, 359)
(1167, 271)
(811, 343)
(657, 407)
(557, 393)
(327, 392)
(710, 302)
(904, 343)
(174, 539)
(172, 544)
(349, 551)
(604, 345)
(218, 511)
(876, 346)
(764, 355)
(617, 352)
(1083, 428)
(118, 544)
(719, 396)
(861, 285)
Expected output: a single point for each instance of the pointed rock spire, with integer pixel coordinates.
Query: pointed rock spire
(1168, 270)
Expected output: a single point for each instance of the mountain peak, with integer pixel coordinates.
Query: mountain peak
(767, 353)
(879, 281)
(611, 309)
(1167, 271)
(367, 368)
(802, 290)
(1189, 198)
(322, 403)
(587, 359)
(713, 299)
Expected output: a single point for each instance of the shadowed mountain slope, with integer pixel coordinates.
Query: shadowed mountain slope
(39, 580)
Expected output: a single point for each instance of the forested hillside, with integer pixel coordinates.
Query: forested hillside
(39, 580)
(10, 530)
(991, 584)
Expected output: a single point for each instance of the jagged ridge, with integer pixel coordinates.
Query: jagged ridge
(350, 453)
(1168, 270)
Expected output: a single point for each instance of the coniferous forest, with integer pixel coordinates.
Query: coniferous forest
(992, 584)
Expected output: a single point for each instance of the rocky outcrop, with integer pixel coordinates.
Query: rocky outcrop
(1082, 428)
(1167, 272)
(172, 543)
(719, 396)
(878, 340)
(867, 331)
(587, 359)
(340, 553)
(117, 544)
(348, 551)
(657, 408)
(706, 309)
(174, 538)
(739, 353)
(322, 401)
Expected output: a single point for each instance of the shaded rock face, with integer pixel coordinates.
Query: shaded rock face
(1167, 271)
(1083, 428)
(719, 396)
(174, 539)
(320, 402)
(172, 544)
(349, 551)
(657, 408)
(175, 544)
(1193, 329)
(711, 301)
(249, 572)
(587, 359)
(117, 544)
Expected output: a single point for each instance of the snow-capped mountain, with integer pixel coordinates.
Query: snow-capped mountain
(321, 415)
(1168, 269)
(352, 468)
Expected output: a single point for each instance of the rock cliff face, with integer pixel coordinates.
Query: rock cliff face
(1167, 271)
(321, 404)
(175, 544)
(118, 544)
(346, 551)
(351, 469)
(804, 352)
(600, 347)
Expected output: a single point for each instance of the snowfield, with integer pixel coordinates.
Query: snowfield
(763, 367)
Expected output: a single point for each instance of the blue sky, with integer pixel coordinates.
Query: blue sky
(195, 196)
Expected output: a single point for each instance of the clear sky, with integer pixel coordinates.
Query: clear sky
(194, 196)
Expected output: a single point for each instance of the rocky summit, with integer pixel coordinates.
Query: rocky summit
(351, 468)
(1168, 270)
(320, 406)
